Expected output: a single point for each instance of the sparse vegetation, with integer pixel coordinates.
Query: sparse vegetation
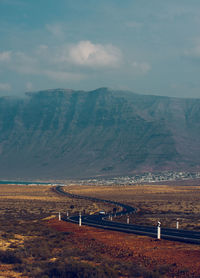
(34, 244)
(154, 202)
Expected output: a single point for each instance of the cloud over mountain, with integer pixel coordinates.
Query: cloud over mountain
(119, 44)
(62, 63)
(86, 53)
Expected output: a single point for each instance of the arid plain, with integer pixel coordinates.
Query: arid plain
(33, 243)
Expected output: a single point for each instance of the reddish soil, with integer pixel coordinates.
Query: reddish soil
(182, 260)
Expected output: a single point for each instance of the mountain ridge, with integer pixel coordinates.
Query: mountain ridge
(63, 133)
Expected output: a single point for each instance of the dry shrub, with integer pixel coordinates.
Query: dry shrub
(9, 257)
(79, 270)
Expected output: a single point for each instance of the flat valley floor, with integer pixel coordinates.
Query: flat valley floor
(33, 243)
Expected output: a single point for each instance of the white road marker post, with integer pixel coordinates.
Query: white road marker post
(128, 220)
(67, 214)
(159, 230)
(80, 219)
(111, 217)
(59, 216)
(177, 223)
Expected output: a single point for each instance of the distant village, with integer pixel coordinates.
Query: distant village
(147, 177)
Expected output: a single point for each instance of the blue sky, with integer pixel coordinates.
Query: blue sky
(149, 47)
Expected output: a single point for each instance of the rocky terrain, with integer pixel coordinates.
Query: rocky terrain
(58, 134)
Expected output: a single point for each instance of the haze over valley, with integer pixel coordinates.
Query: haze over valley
(58, 134)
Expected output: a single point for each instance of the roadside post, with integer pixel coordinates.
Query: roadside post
(159, 230)
(80, 219)
(67, 214)
(128, 220)
(177, 223)
(59, 216)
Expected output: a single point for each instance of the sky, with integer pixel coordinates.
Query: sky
(148, 47)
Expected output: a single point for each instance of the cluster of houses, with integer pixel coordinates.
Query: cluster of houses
(147, 177)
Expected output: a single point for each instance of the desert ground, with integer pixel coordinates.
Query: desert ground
(164, 203)
(33, 243)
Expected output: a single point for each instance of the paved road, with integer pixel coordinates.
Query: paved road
(102, 221)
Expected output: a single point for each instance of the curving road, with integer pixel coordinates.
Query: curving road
(101, 221)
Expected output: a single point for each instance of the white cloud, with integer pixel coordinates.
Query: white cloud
(5, 56)
(24, 64)
(5, 87)
(55, 29)
(41, 49)
(141, 68)
(85, 53)
(61, 63)
(40, 62)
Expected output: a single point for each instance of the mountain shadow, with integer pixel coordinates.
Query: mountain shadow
(57, 134)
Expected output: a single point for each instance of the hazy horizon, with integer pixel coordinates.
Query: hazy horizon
(141, 46)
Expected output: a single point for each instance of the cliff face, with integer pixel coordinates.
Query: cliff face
(63, 133)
